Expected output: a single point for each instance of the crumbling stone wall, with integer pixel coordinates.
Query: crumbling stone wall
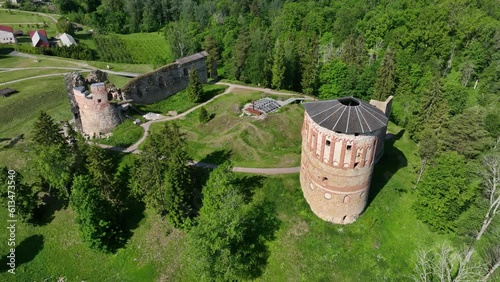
(165, 81)
(90, 101)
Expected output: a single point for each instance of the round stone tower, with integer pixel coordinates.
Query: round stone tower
(342, 139)
(97, 114)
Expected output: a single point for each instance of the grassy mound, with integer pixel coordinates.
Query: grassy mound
(273, 142)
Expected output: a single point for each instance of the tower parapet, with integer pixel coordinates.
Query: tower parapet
(341, 141)
(97, 114)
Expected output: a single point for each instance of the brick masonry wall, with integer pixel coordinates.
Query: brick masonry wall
(336, 171)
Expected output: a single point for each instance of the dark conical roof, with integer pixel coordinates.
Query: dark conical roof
(346, 115)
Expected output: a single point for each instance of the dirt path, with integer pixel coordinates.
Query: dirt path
(146, 126)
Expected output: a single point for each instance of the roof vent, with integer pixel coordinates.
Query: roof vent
(348, 102)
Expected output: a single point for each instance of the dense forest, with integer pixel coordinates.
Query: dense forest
(439, 59)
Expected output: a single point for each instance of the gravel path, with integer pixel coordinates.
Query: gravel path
(134, 148)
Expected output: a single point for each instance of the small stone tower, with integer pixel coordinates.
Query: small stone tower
(98, 116)
(342, 139)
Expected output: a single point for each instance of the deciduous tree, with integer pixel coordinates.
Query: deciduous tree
(445, 192)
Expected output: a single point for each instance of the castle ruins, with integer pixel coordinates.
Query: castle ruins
(167, 80)
(90, 100)
(342, 139)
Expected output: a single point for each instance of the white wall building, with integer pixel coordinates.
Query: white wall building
(7, 34)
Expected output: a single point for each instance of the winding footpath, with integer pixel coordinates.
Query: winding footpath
(134, 147)
(146, 126)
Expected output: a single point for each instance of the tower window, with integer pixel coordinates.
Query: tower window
(324, 178)
(349, 147)
(328, 142)
(98, 100)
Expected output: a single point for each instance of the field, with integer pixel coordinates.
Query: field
(124, 135)
(138, 48)
(13, 16)
(273, 142)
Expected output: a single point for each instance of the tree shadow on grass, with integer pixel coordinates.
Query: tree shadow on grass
(392, 160)
(207, 95)
(248, 184)
(217, 157)
(25, 252)
(130, 220)
(134, 207)
(45, 212)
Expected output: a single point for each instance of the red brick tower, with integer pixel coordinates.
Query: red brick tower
(342, 139)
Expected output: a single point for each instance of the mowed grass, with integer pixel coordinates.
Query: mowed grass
(51, 61)
(7, 76)
(179, 102)
(19, 111)
(13, 16)
(273, 142)
(124, 135)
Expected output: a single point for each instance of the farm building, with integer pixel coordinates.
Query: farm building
(7, 34)
(65, 40)
(39, 38)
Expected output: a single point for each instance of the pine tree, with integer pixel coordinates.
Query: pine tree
(96, 218)
(240, 53)
(204, 116)
(310, 63)
(161, 175)
(195, 88)
(278, 69)
(46, 132)
(210, 45)
(25, 195)
(229, 243)
(466, 134)
(386, 75)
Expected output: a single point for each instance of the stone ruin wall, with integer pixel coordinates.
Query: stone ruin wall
(336, 171)
(91, 118)
(98, 115)
(163, 82)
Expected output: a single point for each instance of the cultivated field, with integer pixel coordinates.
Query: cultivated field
(138, 48)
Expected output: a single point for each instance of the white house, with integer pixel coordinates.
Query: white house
(66, 40)
(7, 34)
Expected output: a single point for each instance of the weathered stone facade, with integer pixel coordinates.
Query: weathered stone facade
(165, 81)
(98, 116)
(337, 165)
(92, 118)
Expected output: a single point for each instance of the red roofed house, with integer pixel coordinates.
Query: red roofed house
(39, 38)
(7, 34)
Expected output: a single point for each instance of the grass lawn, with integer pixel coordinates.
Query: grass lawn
(273, 142)
(19, 112)
(117, 80)
(380, 245)
(124, 135)
(14, 16)
(19, 74)
(179, 102)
